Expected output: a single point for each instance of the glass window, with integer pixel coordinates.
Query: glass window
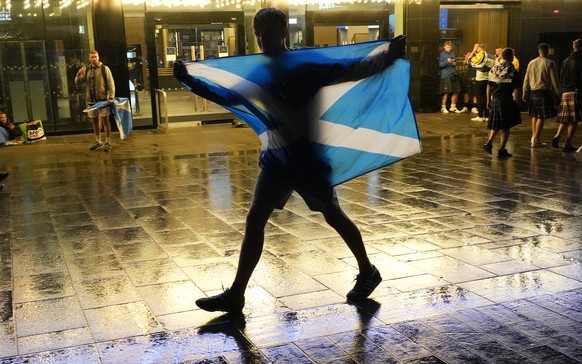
(42, 46)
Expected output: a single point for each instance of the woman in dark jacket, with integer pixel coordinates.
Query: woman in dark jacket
(504, 110)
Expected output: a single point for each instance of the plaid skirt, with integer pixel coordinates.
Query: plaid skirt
(570, 108)
(541, 104)
(449, 85)
(503, 114)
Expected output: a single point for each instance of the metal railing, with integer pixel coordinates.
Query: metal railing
(162, 120)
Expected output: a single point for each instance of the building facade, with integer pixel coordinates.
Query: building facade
(44, 42)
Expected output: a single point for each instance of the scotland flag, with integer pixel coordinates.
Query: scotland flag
(321, 114)
(121, 110)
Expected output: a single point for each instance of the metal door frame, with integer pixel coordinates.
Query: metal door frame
(8, 96)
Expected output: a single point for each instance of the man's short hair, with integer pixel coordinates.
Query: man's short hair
(268, 18)
(544, 48)
(507, 54)
(578, 44)
(92, 51)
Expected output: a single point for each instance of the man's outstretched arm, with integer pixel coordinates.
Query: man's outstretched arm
(377, 63)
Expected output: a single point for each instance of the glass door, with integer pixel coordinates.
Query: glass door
(188, 36)
(25, 81)
(189, 43)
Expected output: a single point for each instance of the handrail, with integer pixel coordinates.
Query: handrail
(162, 110)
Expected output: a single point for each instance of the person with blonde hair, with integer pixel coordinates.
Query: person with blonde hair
(482, 62)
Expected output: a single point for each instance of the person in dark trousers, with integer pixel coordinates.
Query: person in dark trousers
(570, 112)
(503, 108)
(100, 86)
(275, 184)
(482, 62)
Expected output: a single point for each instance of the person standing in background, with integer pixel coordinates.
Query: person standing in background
(570, 112)
(449, 79)
(540, 90)
(499, 58)
(467, 88)
(504, 110)
(100, 86)
(482, 62)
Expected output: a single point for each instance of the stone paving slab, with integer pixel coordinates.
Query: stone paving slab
(102, 255)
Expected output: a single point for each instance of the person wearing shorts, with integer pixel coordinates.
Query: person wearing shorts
(449, 84)
(291, 165)
(100, 86)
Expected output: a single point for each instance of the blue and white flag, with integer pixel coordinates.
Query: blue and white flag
(121, 110)
(302, 111)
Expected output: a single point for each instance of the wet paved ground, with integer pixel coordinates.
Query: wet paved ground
(102, 255)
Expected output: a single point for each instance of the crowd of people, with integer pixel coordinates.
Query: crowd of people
(493, 89)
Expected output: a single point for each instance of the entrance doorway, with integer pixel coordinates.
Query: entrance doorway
(325, 29)
(466, 25)
(188, 37)
(25, 81)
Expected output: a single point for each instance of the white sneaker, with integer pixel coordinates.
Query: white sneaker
(477, 118)
(474, 111)
(455, 110)
(465, 109)
(444, 111)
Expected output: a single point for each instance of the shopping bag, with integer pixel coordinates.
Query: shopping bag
(32, 131)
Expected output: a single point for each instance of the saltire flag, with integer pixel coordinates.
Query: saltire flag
(350, 127)
(121, 110)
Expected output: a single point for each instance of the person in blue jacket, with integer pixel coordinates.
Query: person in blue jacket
(449, 84)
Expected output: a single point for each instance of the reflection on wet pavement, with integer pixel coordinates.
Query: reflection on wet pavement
(102, 256)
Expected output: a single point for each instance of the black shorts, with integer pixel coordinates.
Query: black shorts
(275, 191)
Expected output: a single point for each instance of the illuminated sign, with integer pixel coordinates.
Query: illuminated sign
(5, 15)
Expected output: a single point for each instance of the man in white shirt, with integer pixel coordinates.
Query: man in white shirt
(541, 92)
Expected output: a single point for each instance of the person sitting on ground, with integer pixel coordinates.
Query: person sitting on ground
(14, 132)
